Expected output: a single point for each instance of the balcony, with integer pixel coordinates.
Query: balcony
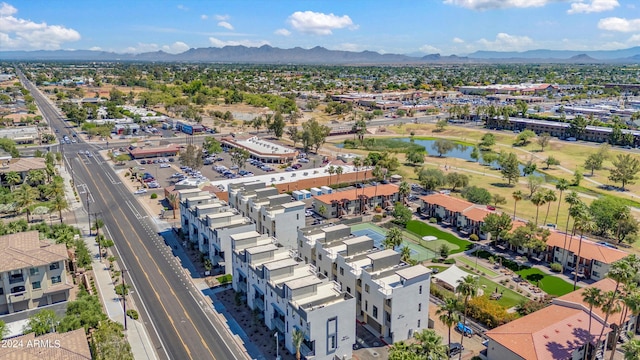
(278, 324)
(14, 279)
(242, 286)
(306, 351)
(259, 304)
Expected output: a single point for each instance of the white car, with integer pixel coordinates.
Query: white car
(164, 165)
(141, 191)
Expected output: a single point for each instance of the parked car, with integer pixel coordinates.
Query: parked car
(141, 191)
(164, 165)
(455, 349)
(462, 328)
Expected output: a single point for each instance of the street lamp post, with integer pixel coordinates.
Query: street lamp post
(124, 299)
(277, 343)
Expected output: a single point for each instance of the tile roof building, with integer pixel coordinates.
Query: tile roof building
(356, 201)
(32, 272)
(71, 345)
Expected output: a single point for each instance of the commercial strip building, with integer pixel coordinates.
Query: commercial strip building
(154, 151)
(21, 134)
(291, 295)
(260, 149)
(559, 331)
(467, 218)
(32, 272)
(356, 201)
(391, 296)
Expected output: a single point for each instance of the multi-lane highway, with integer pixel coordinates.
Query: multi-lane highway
(178, 318)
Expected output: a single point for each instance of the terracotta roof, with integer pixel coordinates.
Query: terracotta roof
(370, 191)
(575, 297)
(71, 345)
(589, 250)
(516, 224)
(551, 333)
(25, 250)
(477, 213)
(155, 150)
(24, 165)
(448, 202)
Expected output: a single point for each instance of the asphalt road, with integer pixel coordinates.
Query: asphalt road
(178, 318)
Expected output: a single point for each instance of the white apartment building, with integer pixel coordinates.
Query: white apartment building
(290, 295)
(274, 214)
(391, 296)
(32, 272)
(209, 222)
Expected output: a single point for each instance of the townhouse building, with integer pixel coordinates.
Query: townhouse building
(291, 295)
(464, 216)
(392, 297)
(274, 214)
(356, 201)
(32, 272)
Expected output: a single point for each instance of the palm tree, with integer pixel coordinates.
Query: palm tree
(339, 171)
(448, 314)
(13, 178)
(404, 190)
(356, 164)
(405, 254)
(393, 238)
(631, 349)
(549, 197)
(55, 188)
(35, 177)
(593, 297)
(172, 198)
(331, 170)
(431, 346)
(631, 303)
(572, 199)
(517, 196)
(467, 288)
(25, 197)
(377, 174)
(583, 222)
(297, 337)
(561, 186)
(59, 203)
(538, 200)
(97, 225)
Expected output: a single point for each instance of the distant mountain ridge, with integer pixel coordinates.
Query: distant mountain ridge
(319, 55)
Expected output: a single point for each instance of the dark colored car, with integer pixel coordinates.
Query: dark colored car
(455, 349)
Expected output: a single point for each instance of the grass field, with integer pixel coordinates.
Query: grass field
(423, 229)
(550, 284)
(472, 263)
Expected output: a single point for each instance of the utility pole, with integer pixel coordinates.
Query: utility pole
(124, 299)
(88, 211)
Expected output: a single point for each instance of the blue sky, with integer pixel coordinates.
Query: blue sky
(398, 26)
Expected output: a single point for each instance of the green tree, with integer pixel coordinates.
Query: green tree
(498, 199)
(475, 153)
(534, 183)
(212, 145)
(415, 157)
(331, 170)
(294, 134)
(476, 195)
(457, 180)
(510, 170)
(593, 297)
(487, 141)
(551, 161)
(278, 125)
(577, 177)
(4, 331)
(405, 254)
(297, 338)
(402, 214)
(496, 225)
(549, 197)
(110, 343)
(631, 349)
(573, 200)
(448, 314)
(538, 199)
(443, 146)
(393, 238)
(625, 168)
(441, 125)
(403, 190)
(314, 134)
(59, 203)
(13, 178)
(543, 140)
(430, 345)
(25, 197)
(524, 138)
(594, 162)
(562, 185)
(467, 288)
(239, 157)
(431, 179)
(42, 322)
(517, 196)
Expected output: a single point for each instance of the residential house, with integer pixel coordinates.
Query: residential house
(356, 201)
(70, 345)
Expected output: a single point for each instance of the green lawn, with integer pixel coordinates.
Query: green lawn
(550, 284)
(472, 263)
(423, 229)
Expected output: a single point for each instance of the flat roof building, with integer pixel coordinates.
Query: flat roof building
(262, 150)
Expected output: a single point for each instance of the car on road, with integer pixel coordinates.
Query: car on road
(140, 191)
(360, 185)
(304, 160)
(462, 328)
(87, 152)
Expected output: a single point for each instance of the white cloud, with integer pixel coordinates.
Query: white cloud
(634, 40)
(95, 48)
(593, 6)
(457, 40)
(283, 32)
(319, 23)
(350, 47)
(506, 42)
(222, 17)
(225, 25)
(248, 43)
(182, 7)
(428, 49)
(499, 4)
(16, 33)
(176, 47)
(7, 9)
(619, 24)
(204, 17)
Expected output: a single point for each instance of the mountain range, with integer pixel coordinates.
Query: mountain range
(318, 55)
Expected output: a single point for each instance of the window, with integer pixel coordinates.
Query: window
(319, 256)
(366, 288)
(375, 311)
(34, 271)
(366, 305)
(418, 323)
(17, 289)
(332, 334)
(297, 216)
(1, 291)
(55, 279)
(420, 290)
(341, 271)
(420, 307)
(349, 290)
(35, 285)
(54, 266)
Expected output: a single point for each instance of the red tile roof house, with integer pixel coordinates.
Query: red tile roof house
(348, 202)
(559, 331)
(464, 216)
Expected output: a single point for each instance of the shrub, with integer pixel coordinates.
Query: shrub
(433, 220)
(488, 312)
(154, 196)
(224, 279)
(474, 237)
(132, 314)
(476, 195)
(450, 261)
(556, 267)
(377, 218)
